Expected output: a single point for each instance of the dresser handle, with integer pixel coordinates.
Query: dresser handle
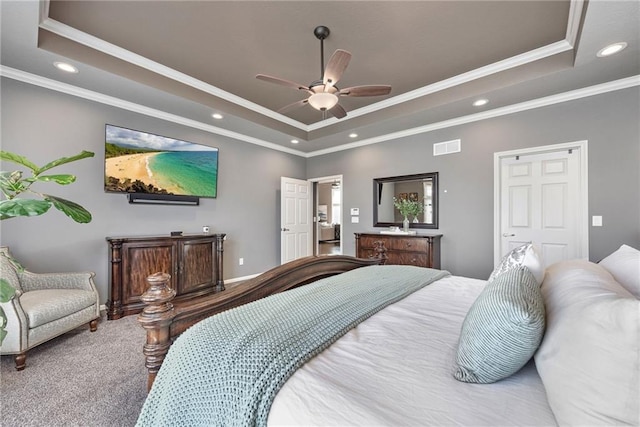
(408, 245)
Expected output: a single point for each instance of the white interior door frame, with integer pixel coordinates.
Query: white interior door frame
(326, 179)
(583, 226)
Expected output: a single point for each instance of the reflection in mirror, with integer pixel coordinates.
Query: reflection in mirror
(419, 187)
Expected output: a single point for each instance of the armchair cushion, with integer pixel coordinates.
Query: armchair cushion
(48, 305)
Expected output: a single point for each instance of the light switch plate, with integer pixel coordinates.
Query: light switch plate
(355, 211)
(355, 219)
(596, 221)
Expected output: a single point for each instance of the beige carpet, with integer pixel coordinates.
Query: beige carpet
(78, 379)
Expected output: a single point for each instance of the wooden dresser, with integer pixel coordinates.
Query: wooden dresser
(193, 261)
(422, 250)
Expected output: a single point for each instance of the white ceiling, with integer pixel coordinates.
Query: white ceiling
(183, 60)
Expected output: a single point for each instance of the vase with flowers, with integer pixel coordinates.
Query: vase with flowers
(407, 208)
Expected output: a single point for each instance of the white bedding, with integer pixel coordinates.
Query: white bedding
(396, 369)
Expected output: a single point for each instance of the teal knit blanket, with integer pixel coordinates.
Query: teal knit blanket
(227, 369)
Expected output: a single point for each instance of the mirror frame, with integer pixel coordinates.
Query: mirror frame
(377, 190)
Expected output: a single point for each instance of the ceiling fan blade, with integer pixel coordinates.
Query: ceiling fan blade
(335, 67)
(338, 112)
(282, 82)
(372, 90)
(293, 105)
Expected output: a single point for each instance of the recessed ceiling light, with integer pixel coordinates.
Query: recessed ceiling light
(353, 135)
(216, 116)
(480, 102)
(65, 67)
(611, 49)
(294, 141)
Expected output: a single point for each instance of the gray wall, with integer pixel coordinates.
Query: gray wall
(609, 122)
(44, 125)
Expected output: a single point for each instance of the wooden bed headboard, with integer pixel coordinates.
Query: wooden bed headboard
(164, 320)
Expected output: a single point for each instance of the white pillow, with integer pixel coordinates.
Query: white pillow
(525, 255)
(589, 356)
(624, 266)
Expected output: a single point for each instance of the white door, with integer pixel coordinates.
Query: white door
(543, 199)
(295, 219)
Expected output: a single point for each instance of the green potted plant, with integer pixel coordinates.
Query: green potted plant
(13, 184)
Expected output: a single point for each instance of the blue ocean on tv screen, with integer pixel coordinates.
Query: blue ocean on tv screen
(194, 172)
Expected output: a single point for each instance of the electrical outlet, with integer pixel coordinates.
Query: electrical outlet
(241, 261)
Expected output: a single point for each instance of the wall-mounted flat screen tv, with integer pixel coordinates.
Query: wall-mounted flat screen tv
(141, 162)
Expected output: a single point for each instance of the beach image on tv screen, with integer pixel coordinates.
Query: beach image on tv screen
(140, 162)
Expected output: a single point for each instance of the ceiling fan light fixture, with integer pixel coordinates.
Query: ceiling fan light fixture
(323, 101)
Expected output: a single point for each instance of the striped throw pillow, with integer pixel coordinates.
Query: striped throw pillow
(502, 329)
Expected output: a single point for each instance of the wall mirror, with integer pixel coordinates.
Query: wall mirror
(420, 187)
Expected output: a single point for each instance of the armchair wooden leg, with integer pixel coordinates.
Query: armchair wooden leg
(93, 325)
(21, 361)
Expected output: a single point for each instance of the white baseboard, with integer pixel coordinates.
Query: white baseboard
(241, 279)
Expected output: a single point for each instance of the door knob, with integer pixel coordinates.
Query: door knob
(508, 235)
(284, 229)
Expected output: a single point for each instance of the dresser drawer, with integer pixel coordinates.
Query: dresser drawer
(407, 244)
(407, 258)
(368, 242)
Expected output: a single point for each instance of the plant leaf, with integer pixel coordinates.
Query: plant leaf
(62, 179)
(63, 160)
(8, 182)
(16, 158)
(23, 207)
(6, 290)
(69, 208)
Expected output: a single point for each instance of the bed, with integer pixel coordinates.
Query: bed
(403, 362)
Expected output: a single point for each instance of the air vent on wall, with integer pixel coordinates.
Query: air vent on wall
(447, 147)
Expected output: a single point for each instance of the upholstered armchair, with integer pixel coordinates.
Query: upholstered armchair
(44, 307)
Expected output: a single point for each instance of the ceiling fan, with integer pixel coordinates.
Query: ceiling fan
(323, 93)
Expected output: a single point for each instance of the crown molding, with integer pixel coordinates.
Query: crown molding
(68, 89)
(496, 67)
(497, 112)
(152, 112)
(575, 16)
(110, 49)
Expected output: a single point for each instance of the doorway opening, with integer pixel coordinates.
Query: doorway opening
(327, 215)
